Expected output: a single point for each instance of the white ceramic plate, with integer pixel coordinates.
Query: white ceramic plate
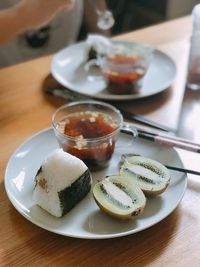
(86, 220)
(68, 69)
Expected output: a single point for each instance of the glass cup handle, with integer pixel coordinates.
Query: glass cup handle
(129, 129)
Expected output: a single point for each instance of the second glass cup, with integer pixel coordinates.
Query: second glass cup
(89, 131)
(124, 68)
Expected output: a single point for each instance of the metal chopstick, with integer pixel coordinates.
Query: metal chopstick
(143, 120)
(182, 170)
(189, 146)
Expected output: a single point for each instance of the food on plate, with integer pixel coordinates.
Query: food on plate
(61, 182)
(151, 176)
(119, 197)
(98, 45)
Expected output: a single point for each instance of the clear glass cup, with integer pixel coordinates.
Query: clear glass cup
(125, 67)
(89, 130)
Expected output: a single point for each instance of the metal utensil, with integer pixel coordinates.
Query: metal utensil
(105, 17)
(167, 141)
(136, 117)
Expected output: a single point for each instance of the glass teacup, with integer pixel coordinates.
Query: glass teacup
(89, 131)
(125, 67)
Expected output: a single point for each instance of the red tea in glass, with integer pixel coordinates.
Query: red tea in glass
(123, 73)
(89, 137)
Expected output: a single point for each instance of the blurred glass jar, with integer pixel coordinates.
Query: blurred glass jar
(193, 78)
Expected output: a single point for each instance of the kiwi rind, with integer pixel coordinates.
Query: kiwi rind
(108, 207)
(153, 190)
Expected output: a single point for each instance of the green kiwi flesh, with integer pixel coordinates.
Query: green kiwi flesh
(119, 197)
(150, 175)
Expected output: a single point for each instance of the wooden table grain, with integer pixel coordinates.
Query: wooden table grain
(25, 109)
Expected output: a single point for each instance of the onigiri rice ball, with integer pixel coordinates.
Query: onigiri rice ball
(61, 182)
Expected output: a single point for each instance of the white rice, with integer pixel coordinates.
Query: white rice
(99, 43)
(59, 171)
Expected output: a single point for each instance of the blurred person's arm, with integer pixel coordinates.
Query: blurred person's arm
(29, 15)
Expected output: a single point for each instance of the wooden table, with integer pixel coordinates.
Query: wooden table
(25, 110)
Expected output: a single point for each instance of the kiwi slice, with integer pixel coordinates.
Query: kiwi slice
(151, 176)
(119, 197)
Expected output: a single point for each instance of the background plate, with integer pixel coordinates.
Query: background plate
(86, 220)
(68, 69)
